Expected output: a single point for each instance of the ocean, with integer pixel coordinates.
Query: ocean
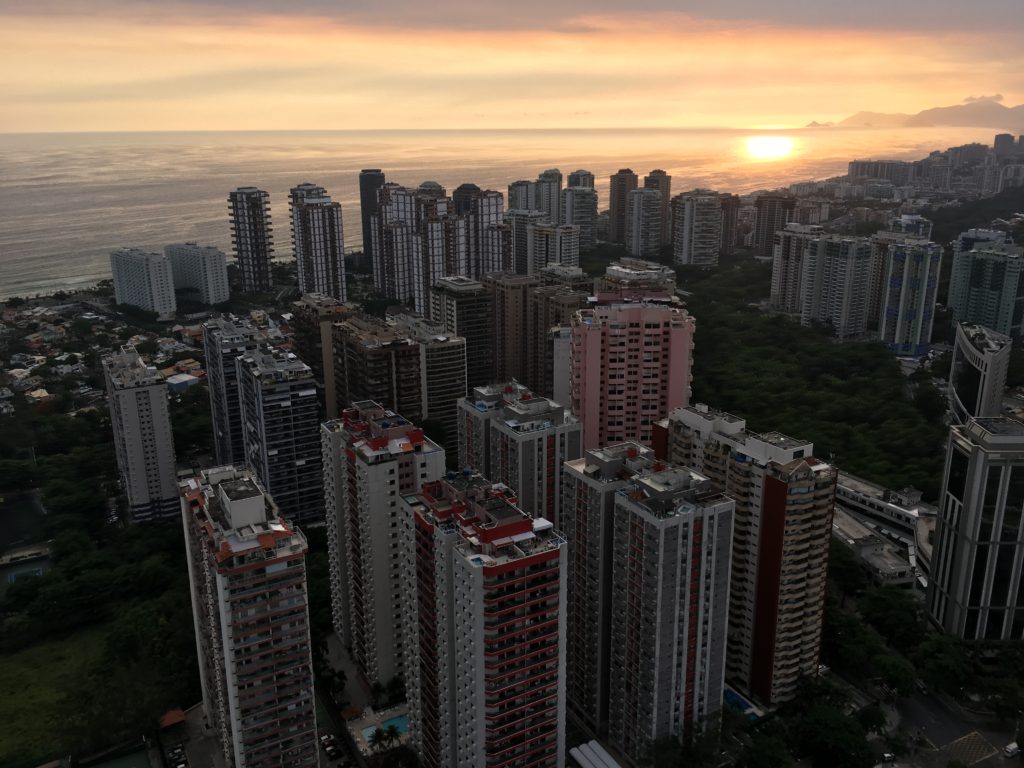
(67, 200)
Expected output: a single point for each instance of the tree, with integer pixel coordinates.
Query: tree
(378, 740)
(392, 735)
(896, 614)
(766, 750)
(873, 719)
(897, 673)
(830, 739)
(943, 663)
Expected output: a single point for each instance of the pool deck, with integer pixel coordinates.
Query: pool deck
(373, 719)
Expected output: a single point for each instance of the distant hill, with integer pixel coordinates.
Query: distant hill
(986, 113)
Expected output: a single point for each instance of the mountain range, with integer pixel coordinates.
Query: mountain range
(987, 113)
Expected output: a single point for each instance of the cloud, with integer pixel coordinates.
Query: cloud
(993, 97)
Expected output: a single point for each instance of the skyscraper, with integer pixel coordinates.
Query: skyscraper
(319, 241)
(643, 223)
(280, 431)
(549, 244)
(485, 617)
(787, 265)
(463, 307)
(910, 288)
(773, 213)
(783, 524)
(252, 237)
(629, 366)
(143, 441)
(549, 194)
(580, 178)
(975, 585)
(464, 197)
(370, 180)
(373, 457)
(730, 222)
(662, 182)
(835, 273)
(247, 573)
(589, 488)
(977, 377)
(511, 348)
(201, 269)
(548, 307)
(1004, 144)
(522, 196)
(225, 339)
(905, 228)
(313, 317)
(672, 533)
(144, 280)
(579, 207)
(521, 440)
(985, 284)
(520, 221)
(696, 228)
(406, 363)
(620, 185)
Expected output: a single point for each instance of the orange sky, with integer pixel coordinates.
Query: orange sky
(205, 66)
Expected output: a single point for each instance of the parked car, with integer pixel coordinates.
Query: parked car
(1011, 749)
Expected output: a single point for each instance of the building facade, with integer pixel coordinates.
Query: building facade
(485, 617)
(977, 378)
(909, 293)
(986, 285)
(696, 228)
(463, 307)
(772, 214)
(280, 431)
(661, 181)
(672, 535)
(579, 208)
(143, 441)
(834, 281)
(643, 223)
(372, 458)
(589, 487)
(629, 367)
(318, 239)
(975, 588)
(202, 269)
(787, 265)
(247, 573)
(144, 280)
(783, 522)
(370, 181)
(224, 340)
(252, 237)
(519, 439)
(620, 185)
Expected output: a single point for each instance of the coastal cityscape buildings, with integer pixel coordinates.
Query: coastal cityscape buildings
(696, 228)
(200, 270)
(252, 237)
(485, 615)
(144, 280)
(977, 377)
(225, 339)
(318, 239)
(143, 441)
(372, 458)
(250, 605)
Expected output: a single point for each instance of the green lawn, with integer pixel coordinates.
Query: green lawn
(32, 681)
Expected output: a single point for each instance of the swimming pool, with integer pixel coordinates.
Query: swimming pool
(401, 722)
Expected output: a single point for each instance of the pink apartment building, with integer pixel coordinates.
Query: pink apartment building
(629, 366)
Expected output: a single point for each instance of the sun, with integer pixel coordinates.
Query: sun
(769, 147)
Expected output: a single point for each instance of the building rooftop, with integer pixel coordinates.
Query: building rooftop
(984, 339)
(671, 491)
(126, 369)
(378, 434)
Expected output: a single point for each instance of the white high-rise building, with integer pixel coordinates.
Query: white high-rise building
(834, 282)
(144, 280)
(201, 268)
(579, 207)
(580, 178)
(672, 554)
(549, 193)
(143, 441)
(247, 573)
(909, 290)
(520, 439)
(986, 284)
(643, 223)
(589, 487)
(787, 265)
(519, 222)
(318, 238)
(225, 339)
(977, 377)
(549, 244)
(372, 458)
(697, 228)
(484, 606)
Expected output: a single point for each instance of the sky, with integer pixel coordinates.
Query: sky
(101, 65)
